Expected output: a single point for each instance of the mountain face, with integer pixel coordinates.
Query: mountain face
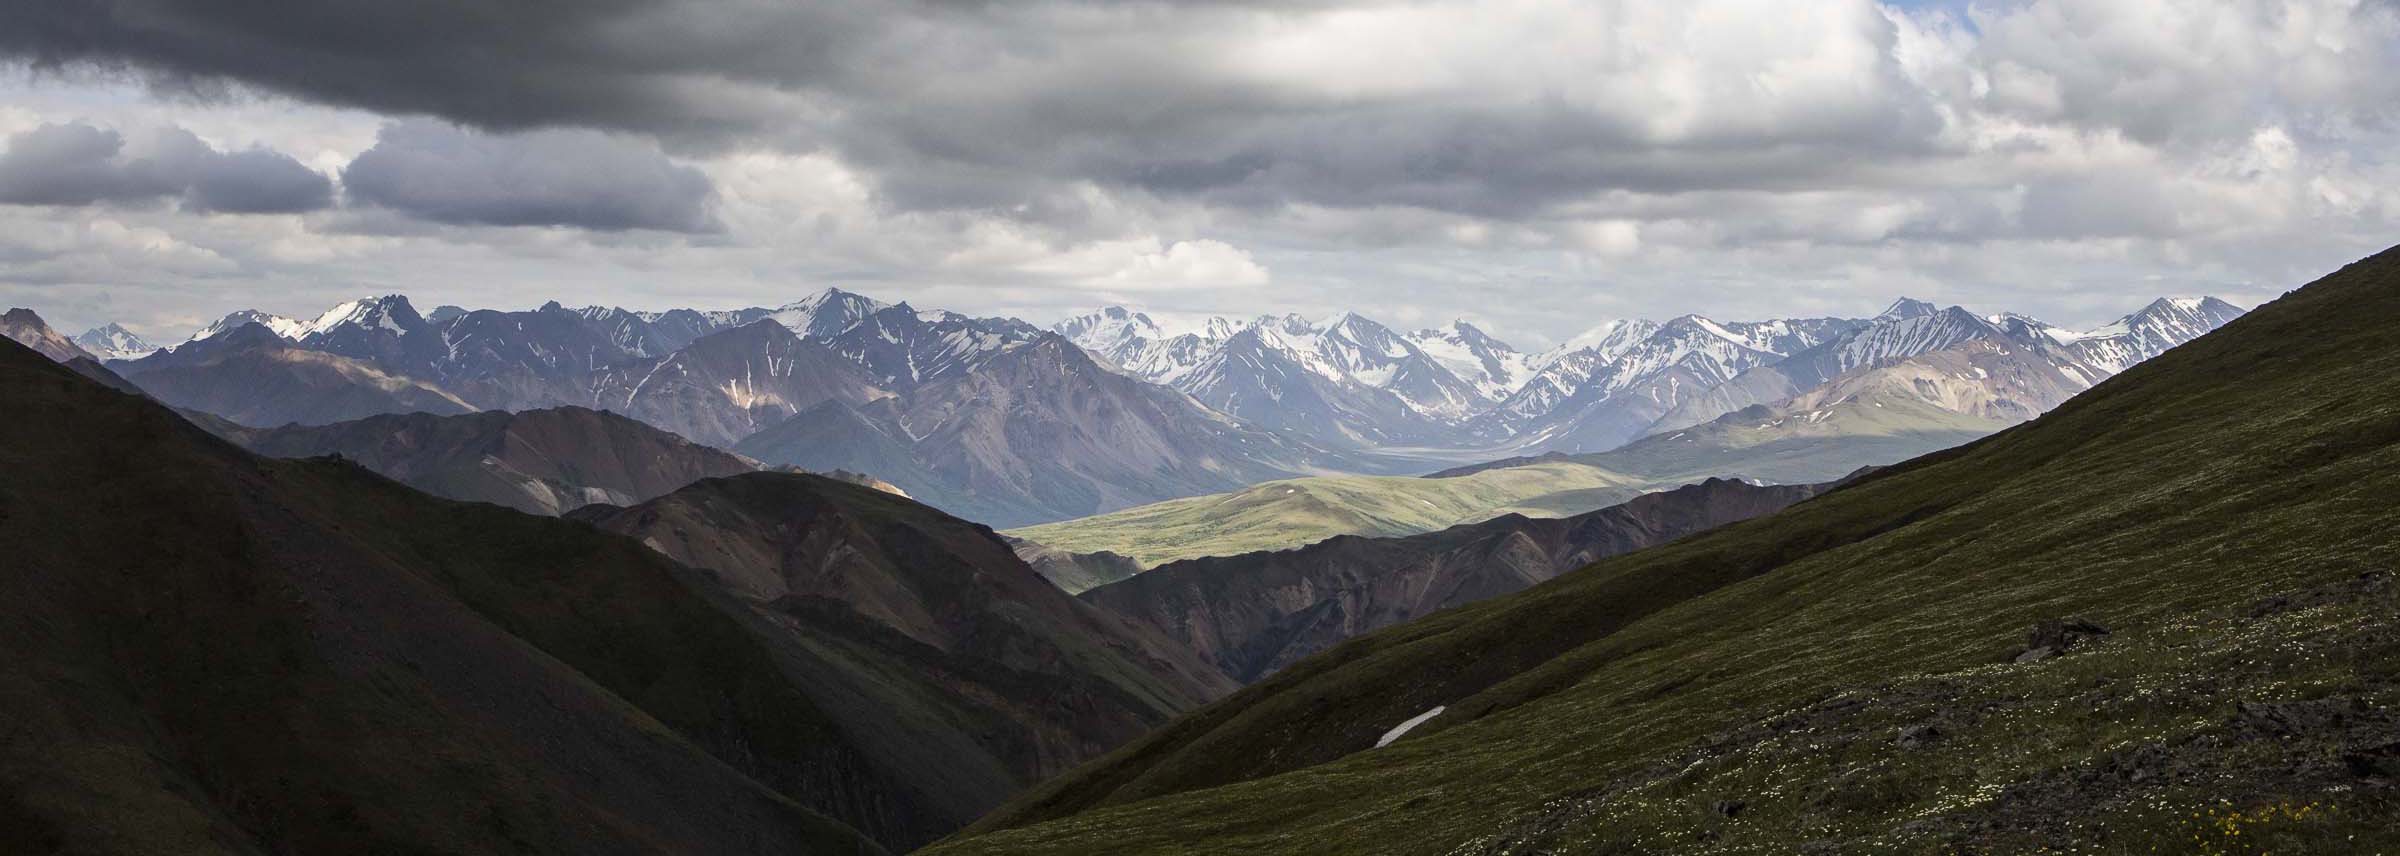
(2047, 364)
(1682, 358)
(901, 347)
(111, 342)
(2165, 323)
(1037, 431)
(535, 461)
(1347, 381)
(728, 386)
(952, 665)
(1116, 335)
(254, 377)
(1491, 366)
(1257, 612)
(2167, 554)
(26, 328)
(285, 327)
(299, 656)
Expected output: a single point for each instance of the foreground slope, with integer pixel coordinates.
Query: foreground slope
(209, 651)
(2224, 509)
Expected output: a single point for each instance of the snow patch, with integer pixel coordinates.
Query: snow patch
(1403, 728)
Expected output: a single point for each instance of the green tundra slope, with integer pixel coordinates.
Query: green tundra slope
(1292, 512)
(1770, 444)
(1846, 676)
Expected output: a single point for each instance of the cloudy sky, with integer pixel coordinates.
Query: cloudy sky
(1534, 165)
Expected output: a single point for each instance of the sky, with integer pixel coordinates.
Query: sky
(1534, 166)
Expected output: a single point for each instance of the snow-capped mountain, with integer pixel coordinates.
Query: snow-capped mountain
(1116, 335)
(1684, 357)
(1913, 331)
(825, 314)
(281, 326)
(1493, 367)
(2165, 323)
(1347, 379)
(112, 342)
(901, 346)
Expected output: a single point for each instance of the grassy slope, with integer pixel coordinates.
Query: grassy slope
(1779, 447)
(2260, 459)
(1293, 512)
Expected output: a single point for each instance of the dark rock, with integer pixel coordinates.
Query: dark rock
(2294, 717)
(2057, 636)
(2381, 762)
(1917, 736)
(1730, 808)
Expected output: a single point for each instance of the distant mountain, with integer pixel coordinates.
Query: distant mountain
(1035, 431)
(254, 377)
(281, 326)
(112, 342)
(1257, 612)
(2165, 323)
(954, 668)
(1493, 367)
(727, 386)
(2056, 363)
(1116, 335)
(1347, 381)
(536, 461)
(901, 347)
(26, 328)
(1622, 396)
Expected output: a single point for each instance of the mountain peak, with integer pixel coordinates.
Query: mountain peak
(390, 312)
(1908, 307)
(113, 342)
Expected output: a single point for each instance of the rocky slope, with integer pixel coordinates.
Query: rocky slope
(951, 663)
(535, 461)
(730, 385)
(2088, 632)
(254, 377)
(1257, 612)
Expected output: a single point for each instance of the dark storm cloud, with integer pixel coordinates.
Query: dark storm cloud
(585, 179)
(949, 105)
(79, 164)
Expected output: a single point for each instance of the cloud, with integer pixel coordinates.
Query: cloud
(585, 179)
(1534, 160)
(78, 164)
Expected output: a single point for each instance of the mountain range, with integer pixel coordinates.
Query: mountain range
(1350, 380)
(1012, 424)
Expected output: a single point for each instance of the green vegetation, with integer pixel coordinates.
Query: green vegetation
(2225, 508)
(1295, 512)
(1767, 445)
